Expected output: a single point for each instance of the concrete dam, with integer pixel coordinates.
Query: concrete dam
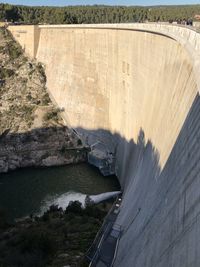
(135, 89)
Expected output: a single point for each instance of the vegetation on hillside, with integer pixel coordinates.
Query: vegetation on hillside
(96, 14)
(56, 239)
(24, 101)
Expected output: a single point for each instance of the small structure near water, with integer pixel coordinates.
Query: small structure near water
(101, 158)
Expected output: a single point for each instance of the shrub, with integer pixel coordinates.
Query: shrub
(46, 217)
(29, 97)
(31, 72)
(2, 48)
(42, 73)
(79, 142)
(3, 220)
(6, 73)
(38, 239)
(74, 207)
(54, 208)
(46, 99)
(51, 115)
(14, 52)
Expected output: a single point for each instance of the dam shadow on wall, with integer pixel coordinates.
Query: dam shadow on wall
(128, 154)
(44, 142)
(161, 207)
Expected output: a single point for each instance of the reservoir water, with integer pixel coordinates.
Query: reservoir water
(31, 191)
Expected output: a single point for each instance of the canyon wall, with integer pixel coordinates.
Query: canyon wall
(135, 88)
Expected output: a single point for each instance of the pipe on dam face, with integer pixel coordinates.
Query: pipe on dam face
(137, 92)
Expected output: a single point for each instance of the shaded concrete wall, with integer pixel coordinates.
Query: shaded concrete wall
(140, 87)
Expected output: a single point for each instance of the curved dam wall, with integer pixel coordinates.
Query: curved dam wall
(135, 88)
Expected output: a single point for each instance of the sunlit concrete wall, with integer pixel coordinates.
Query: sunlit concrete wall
(140, 84)
(120, 80)
(28, 37)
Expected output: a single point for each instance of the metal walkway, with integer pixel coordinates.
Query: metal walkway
(103, 250)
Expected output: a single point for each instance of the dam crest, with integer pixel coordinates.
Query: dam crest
(134, 88)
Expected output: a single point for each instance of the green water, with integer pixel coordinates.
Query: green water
(28, 191)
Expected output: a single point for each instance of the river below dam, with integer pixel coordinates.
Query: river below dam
(32, 191)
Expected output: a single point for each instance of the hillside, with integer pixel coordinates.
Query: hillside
(56, 239)
(25, 103)
(32, 132)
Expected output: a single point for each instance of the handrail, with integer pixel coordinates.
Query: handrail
(116, 248)
(99, 233)
(102, 227)
(107, 227)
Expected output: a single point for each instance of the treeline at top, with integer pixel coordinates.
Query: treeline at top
(97, 14)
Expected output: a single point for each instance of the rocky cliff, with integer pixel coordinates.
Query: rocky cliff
(32, 132)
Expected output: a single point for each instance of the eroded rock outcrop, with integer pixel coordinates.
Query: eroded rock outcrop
(40, 147)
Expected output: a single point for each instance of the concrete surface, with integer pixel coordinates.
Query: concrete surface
(136, 87)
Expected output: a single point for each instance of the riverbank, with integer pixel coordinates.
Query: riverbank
(58, 238)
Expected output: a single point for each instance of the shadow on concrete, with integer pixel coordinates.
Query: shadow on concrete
(127, 153)
(165, 228)
(53, 146)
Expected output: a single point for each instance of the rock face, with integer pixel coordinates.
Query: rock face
(41, 147)
(32, 132)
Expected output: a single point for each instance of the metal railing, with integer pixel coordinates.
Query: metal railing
(109, 230)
